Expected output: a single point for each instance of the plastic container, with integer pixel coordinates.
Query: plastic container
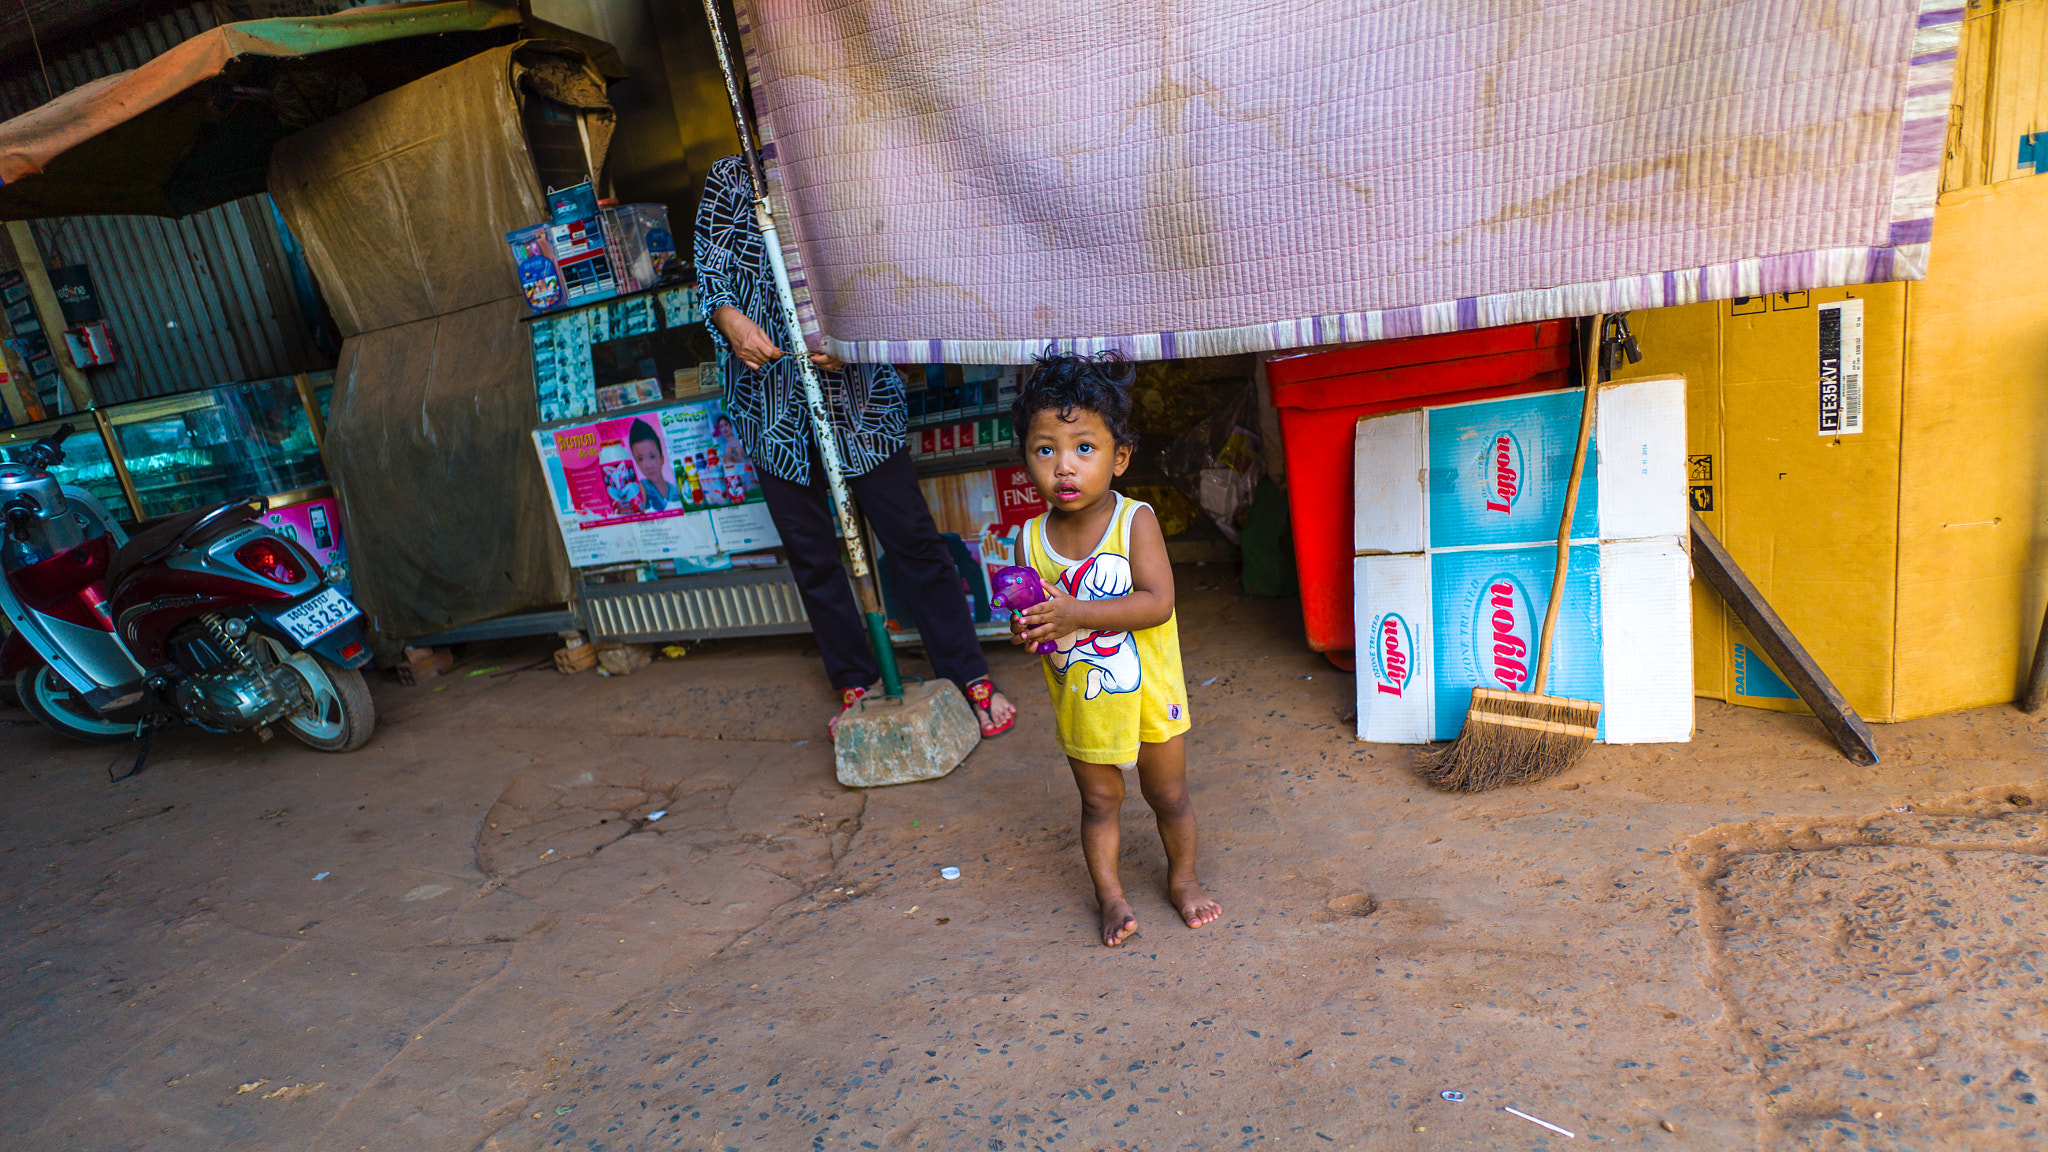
(1321, 395)
(584, 261)
(643, 249)
(1018, 588)
(533, 255)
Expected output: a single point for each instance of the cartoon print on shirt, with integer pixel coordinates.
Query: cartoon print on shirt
(1111, 657)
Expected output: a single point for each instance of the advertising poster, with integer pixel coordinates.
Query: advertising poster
(314, 526)
(980, 516)
(661, 483)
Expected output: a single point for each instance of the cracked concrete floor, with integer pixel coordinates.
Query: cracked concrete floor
(1741, 942)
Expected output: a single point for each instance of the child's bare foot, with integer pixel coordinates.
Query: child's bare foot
(1195, 906)
(1118, 922)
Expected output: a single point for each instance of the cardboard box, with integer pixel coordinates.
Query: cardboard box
(1455, 514)
(1906, 556)
(1396, 697)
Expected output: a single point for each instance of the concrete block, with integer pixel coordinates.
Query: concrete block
(577, 657)
(923, 736)
(423, 664)
(623, 659)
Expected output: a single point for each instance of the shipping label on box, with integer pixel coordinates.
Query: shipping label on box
(1497, 471)
(1487, 606)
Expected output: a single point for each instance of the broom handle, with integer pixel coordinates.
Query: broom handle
(1571, 505)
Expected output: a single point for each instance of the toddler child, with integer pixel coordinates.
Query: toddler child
(1115, 671)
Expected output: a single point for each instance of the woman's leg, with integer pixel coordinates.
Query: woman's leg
(803, 518)
(928, 581)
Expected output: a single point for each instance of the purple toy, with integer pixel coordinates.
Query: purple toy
(1018, 588)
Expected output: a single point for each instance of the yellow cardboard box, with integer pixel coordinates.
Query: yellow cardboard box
(1909, 557)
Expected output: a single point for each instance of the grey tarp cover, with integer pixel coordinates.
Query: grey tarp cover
(402, 204)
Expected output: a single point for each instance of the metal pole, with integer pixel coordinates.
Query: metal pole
(112, 441)
(814, 390)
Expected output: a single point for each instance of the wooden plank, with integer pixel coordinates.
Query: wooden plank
(1712, 561)
(48, 314)
(2037, 678)
(1552, 727)
(120, 462)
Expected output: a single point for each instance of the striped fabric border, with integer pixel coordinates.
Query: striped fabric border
(788, 227)
(1904, 255)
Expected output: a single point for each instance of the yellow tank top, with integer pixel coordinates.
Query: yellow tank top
(1111, 691)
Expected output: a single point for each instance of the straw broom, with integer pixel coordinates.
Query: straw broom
(1523, 737)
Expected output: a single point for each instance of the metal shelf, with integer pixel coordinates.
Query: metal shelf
(949, 465)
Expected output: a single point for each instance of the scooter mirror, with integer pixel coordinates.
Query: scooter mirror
(49, 451)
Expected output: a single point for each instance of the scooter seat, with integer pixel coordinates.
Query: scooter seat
(144, 546)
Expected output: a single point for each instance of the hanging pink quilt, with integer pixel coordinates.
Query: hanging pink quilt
(971, 180)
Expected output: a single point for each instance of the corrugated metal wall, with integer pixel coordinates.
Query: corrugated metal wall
(192, 303)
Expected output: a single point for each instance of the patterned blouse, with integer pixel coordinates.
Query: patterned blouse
(767, 404)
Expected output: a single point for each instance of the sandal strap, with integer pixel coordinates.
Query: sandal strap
(980, 691)
(848, 697)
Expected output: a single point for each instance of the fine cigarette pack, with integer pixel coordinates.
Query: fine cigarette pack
(1456, 512)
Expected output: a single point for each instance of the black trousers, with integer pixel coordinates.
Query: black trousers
(924, 574)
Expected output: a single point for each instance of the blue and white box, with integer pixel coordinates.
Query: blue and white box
(1497, 472)
(1455, 521)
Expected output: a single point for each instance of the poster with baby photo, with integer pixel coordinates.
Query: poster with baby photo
(654, 462)
(656, 482)
(706, 465)
(594, 533)
(617, 471)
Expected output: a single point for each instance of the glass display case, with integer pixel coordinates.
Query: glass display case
(86, 462)
(199, 449)
(632, 349)
(321, 385)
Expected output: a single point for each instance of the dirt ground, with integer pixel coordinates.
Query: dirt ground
(473, 934)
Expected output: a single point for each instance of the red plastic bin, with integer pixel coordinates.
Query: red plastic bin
(1320, 397)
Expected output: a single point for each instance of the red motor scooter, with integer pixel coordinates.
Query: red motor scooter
(207, 618)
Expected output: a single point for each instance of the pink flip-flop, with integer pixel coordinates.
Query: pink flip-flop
(981, 693)
(848, 697)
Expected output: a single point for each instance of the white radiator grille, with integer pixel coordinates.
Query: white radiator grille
(696, 608)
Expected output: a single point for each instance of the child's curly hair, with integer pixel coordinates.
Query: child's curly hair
(1064, 383)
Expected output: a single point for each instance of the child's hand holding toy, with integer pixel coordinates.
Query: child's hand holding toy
(1033, 605)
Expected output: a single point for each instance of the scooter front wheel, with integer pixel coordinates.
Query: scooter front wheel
(55, 703)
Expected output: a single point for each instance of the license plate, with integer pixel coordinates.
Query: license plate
(317, 617)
